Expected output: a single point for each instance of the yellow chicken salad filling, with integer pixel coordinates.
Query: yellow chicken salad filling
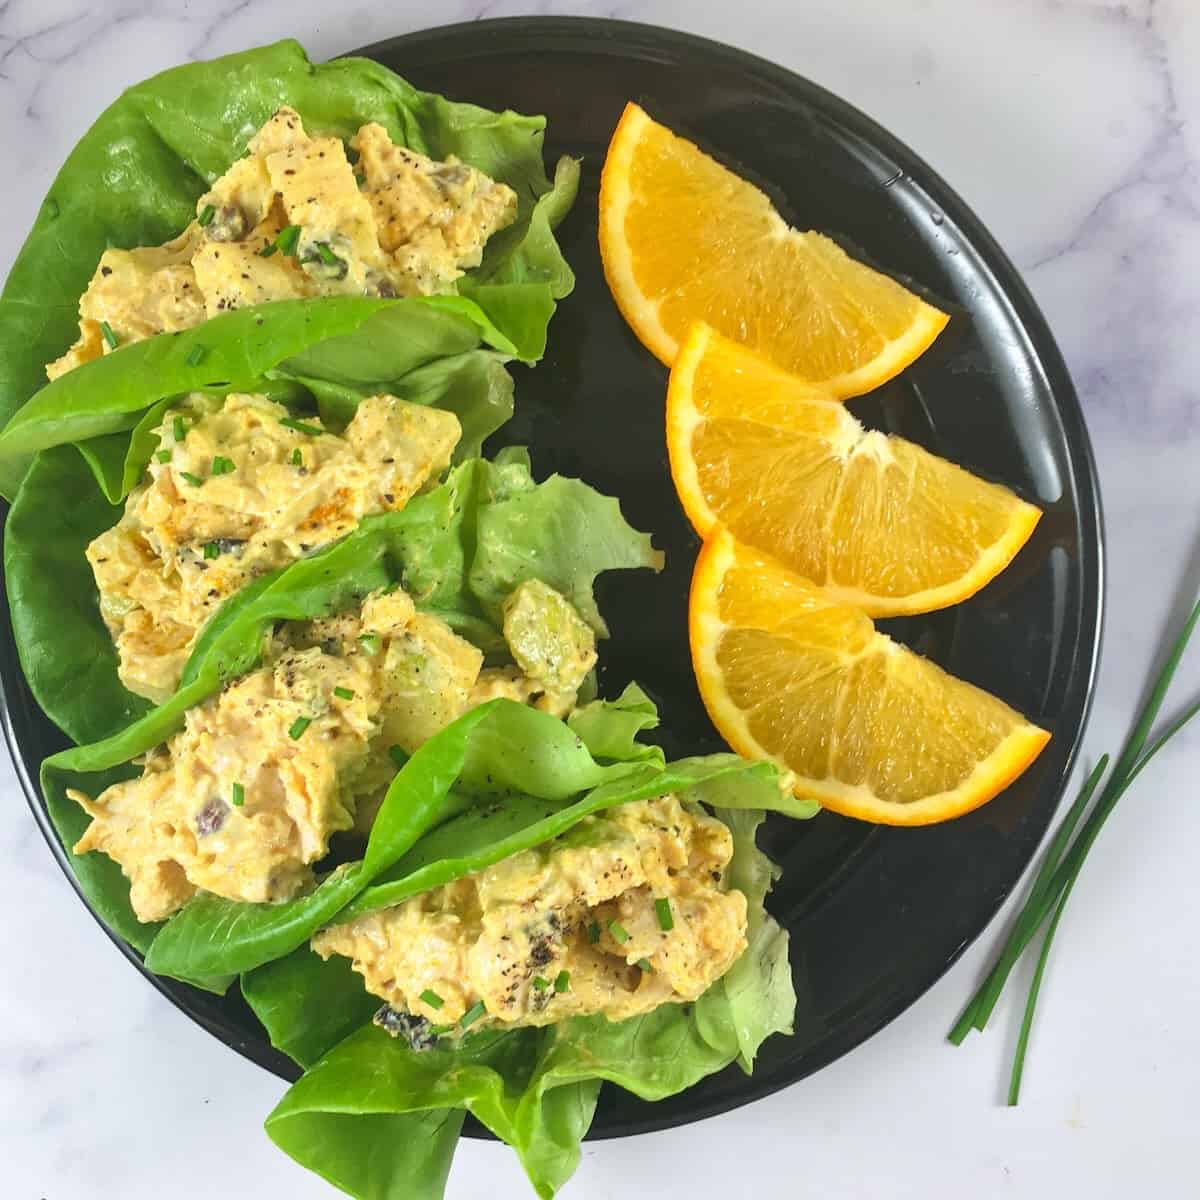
(624, 913)
(296, 219)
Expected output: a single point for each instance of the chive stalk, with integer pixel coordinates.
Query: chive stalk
(287, 239)
(301, 426)
(477, 1010)
(1064, 860)
(432, 998)
(298, 726)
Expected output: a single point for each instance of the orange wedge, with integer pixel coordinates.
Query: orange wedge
(878, 522)
(868, 728)
(684, 239)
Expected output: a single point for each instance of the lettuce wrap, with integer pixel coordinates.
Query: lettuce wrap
(380, 1120)
(159, 146)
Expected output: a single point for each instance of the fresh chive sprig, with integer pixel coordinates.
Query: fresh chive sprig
(1064, 859)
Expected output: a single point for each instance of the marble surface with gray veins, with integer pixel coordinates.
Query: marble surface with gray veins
(1073, 128)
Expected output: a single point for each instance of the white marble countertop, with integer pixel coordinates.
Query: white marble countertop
(1073, 127)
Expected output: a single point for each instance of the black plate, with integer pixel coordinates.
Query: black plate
(876, 915)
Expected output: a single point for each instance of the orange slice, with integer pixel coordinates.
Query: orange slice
(684, 239)
(868, 728)
(878, 522)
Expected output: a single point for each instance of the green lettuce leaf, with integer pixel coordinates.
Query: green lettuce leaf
(112, 394)
(610, 729)
(308, 1004)
(485, 835)
(534, 1088)
(163, 141)
(66, 651)
(569, 519)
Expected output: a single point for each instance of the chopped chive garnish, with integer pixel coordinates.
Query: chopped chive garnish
(206, 215)
(163, 456)
(619, 932)
(239, 795)
(177, 429)
(343, 693)
(298, 726)
(432, 998)
(109, 336)
(302, 427)
(441, 1030)
(397, 755)
(212, 550)
(540, 984)
(477, 1010)
(593, 932)
(297, 458)
(1064, 859)
(562, 981)
(222, 466)
(643, 964)
(288, 237)
(196, 356)
(370, 643)
(327, 255)
(662, 909)
(194, 480)
(268, 250)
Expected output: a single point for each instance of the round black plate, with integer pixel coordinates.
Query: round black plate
(876, 915)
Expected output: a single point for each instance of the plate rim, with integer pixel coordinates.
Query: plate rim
(623, 36)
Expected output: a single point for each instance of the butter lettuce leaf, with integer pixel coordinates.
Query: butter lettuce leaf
(66, 652)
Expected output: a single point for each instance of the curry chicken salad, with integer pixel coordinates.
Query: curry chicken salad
(333, 673)
(296, 218)
(626, 912)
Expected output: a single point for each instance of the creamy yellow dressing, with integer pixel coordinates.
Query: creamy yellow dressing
(395, 224)
(241, 493)
(560, 930)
